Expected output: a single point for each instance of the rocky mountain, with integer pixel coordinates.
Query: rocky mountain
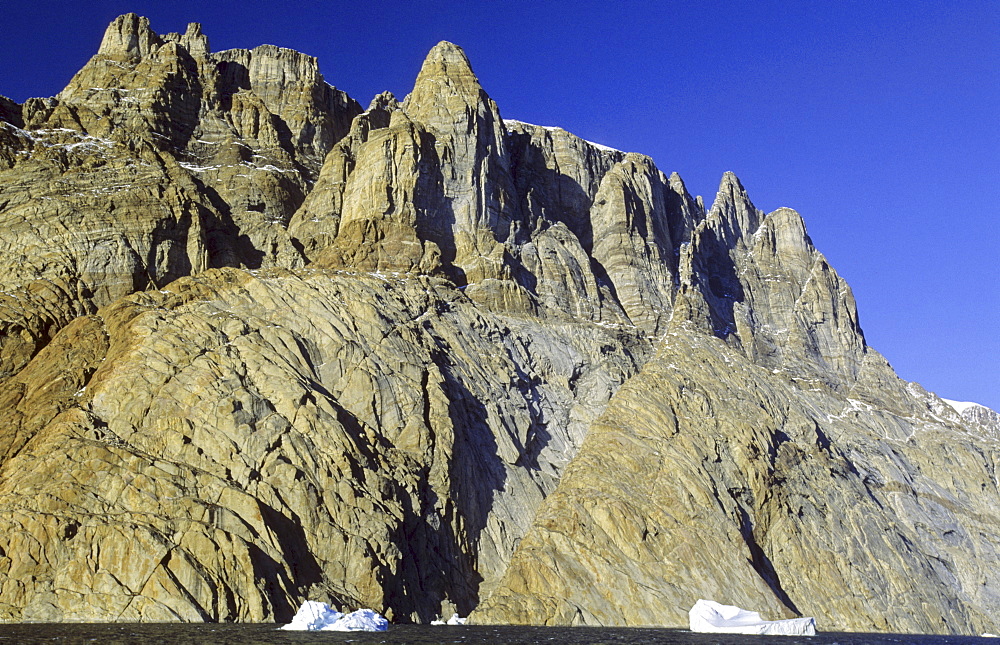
(258, 346)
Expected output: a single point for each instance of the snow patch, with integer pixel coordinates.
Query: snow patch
(514, 122)
(962, 406)
(711, 617)
(196, 168)
(509, 122)
(270, 168)
(86, 141)
(603, 147)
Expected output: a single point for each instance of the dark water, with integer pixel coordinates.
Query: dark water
(182, 634)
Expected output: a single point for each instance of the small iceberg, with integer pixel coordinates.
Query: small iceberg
(454, 620)
(318, 616)
(711, 617)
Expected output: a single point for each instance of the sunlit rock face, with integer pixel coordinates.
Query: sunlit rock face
(160, 159)
(259, 346)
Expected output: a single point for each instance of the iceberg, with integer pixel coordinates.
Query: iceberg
(313, 616)
(711, 617)
(362, 620)
(318, 616)
(454, 620)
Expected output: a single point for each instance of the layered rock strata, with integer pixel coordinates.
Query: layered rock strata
(259, 346)
(236, 442)
(829, 487)
(529, 219)
(712, 476)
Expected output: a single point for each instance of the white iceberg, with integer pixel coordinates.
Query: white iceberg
(454, 620)
(313, 616)
(318, 616)
(711, 617)
(362, 620)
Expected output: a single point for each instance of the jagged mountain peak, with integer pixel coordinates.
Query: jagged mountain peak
(731, 192)
(384, 101)
(446, 59)
(677, 182)
(446, 65)
(193, 40)
(447, 51)
(732, 213)
(446, 86)
(193, 30)
(130, 36)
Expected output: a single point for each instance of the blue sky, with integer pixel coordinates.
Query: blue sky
(878, 121)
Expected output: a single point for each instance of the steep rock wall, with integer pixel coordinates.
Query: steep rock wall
(259, 346)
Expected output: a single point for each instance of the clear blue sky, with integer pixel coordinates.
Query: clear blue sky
(878, 121)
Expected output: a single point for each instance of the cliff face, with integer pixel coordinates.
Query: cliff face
(258, 346)
(158, 160)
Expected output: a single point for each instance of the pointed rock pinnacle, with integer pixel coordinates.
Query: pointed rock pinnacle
(128, 36)
(445, 77)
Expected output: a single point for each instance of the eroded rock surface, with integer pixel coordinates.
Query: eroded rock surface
(709, 475)
(258, 346)
(768, 458)
(249, 440)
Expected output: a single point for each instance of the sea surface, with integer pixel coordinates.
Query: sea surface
(243, 634)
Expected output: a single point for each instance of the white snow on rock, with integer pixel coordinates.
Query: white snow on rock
(962, 406)
(196, 168)
(508, 123)
(318, 616)
(711, 617)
